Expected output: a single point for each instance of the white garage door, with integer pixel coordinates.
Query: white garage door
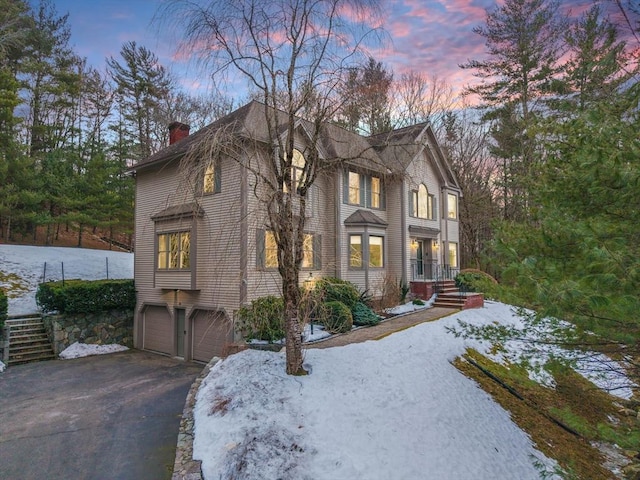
(212, 331)
(157, 330)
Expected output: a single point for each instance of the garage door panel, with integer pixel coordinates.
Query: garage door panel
(157, 330)
(212, 332)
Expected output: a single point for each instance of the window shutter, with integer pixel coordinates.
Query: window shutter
(260, 248)
(435, 207)
(217, 187)
(317, 252)
(345, 186)
(411, 203)
(362, 190)
(383, 196)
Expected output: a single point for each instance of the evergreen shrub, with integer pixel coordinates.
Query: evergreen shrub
(339, 319)
(332, 289)
(363, 315)
(85, 296)
(263, 319)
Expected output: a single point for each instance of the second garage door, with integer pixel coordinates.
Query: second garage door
(212, 331)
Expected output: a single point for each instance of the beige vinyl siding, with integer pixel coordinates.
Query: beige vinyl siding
(394, 231)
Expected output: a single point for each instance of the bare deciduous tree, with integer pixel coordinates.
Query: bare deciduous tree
(418, 98)
(292, 53)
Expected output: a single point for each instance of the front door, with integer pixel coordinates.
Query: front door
(419, 259)
(180, 331)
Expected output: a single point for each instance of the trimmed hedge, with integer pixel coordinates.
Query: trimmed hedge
(4, 307)
(85, 296)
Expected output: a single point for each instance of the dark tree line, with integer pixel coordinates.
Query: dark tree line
(68, 132)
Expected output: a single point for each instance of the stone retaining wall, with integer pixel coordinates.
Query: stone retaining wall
(102, 328)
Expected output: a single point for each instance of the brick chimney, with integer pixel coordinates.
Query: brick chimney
(178, 131)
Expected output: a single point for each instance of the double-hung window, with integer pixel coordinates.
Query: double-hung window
(268, 250)
(174, 251)
(364, 190)
(452, 206)
(374, 246)
(211, 179)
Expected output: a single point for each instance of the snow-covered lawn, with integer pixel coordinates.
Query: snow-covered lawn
(26, 264)
(390, 409)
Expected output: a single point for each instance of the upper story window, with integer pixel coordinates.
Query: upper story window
(452, 206)
(355, 191)
(298, 163)
(422, 204)
(364, 190)
(376, 192)
(174, 251)
(211, 180)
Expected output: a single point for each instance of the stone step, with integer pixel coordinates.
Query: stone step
(31, 357)
(26, 339)
(26, 330)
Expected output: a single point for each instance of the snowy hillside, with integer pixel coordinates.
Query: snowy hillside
(23, 267)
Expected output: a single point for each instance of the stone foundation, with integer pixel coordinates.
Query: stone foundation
(101, 328)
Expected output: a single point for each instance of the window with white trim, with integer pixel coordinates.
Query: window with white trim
(452, 206)
(174, 251)
(453, 254)
(211, 179)
(376, 251)
(421, 203)
(355, 251)
(354, 188)
(267, 254)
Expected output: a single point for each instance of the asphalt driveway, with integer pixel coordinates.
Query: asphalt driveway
(104, 417)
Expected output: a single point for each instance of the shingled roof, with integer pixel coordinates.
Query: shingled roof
(388, 153)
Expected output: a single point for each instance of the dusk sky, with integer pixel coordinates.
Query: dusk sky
(433, 36)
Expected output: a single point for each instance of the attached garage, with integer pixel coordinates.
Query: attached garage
(157, 330)
(211, 332)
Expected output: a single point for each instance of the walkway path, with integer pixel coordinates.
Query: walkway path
(387, 327)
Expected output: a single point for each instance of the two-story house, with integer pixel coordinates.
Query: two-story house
(387, 212)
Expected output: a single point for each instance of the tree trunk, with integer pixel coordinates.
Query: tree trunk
(293, 330)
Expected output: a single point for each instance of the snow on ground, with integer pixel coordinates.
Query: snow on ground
(411, 307)
(393, 408)
(597, 368)
(3, 367)
(27, 262)
(78, 350)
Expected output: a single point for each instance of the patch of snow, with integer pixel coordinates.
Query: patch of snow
(27, 262)
(318, 333)
(411, 307)
(602, 371)
(393, 408)
(3, 367)
(77, 350)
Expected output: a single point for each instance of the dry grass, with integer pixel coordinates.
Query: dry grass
(575, 403)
